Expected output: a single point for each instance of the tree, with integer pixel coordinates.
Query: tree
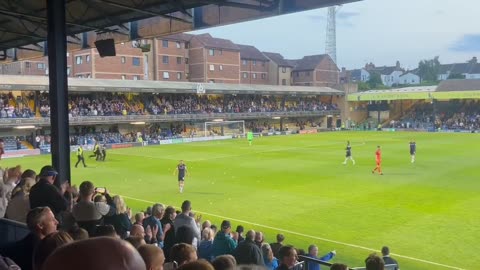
(428, 69)
(363, 86)
(375, 80)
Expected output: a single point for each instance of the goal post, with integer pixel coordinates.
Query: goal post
(225, 128)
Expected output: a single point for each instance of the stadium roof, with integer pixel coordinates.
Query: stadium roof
(24, 23)
(449, 89)
(25, 83)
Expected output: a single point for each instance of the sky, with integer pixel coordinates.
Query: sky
(377, 31)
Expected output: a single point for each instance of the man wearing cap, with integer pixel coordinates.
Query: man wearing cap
(223, 242)
(44, 193)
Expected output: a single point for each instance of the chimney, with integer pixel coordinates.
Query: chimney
(344, 69)
(397, 64)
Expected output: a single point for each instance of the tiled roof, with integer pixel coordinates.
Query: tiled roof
(250, 52)
(217, 43)
(278, 59)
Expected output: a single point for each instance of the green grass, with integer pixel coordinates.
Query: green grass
(429, 210)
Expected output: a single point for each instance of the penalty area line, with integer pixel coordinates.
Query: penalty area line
(310, 236)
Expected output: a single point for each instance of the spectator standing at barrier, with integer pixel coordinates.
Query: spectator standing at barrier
(374, 262)
(80, 157)
(154, 223)
(276, 246)
(247, 252)
(184, 219)
(287, 257)
(313, 253)
(387, 259)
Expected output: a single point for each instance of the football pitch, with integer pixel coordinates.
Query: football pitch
(428, 212)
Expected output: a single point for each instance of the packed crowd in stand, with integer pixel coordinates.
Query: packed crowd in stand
(109, 104)
(66, 222)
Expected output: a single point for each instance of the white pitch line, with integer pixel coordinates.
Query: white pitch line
(237, 155)
(310, 236)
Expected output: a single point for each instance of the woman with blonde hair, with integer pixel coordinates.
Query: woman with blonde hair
(121, 219)
(19, 205)
(270, 261)
(205, 247)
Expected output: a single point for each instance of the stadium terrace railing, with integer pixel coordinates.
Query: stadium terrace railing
(310, 259)
(82, 120)
(11, 231)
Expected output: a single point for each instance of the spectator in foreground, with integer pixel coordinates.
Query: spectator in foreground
(248, 252)
(47, 246)
(19, 204)
(270, 261)
(387, 259)
(338, 266)
(313, 253)
(181, 254)
(41, 222)
(287, 257)
(152, 256)
(103, 253)
(121, 219)
(224, 262)
(44, 193)
(277, 245)
(374, 262)
(184, 219)
(169, 239)
(154, 223)
(197, 265)
(223, 243)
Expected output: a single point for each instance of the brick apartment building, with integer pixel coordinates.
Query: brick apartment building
(171, 61)
(186, 57)
(315, 70)
(280, 70)
(254, 67)
(214, 60)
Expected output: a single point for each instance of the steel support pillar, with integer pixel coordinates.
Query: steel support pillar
(58, 89)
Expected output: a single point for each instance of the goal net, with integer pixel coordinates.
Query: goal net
(225, 128)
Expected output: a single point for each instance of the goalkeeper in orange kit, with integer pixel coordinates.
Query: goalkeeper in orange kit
(378, 159)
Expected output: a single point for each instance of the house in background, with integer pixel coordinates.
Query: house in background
(315, 70)
(214, 60)
(354, 75)
(254, 65)
(279, 69)
(390, 75)
(470, 70)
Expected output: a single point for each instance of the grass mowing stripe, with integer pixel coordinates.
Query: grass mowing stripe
(309, 236)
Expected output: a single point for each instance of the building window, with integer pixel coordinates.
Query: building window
(186, 60)
(136, 77)
(69, 70)
(124, 77)
(254, 75)
(211, 52)
(187, 45)
(179, 60)
(179, 45)
(179, 75)
(166, 75)
(254, 62)
(244, 62)
(136, 61)
(211, 67)
(165, 59)
(165, 43)
(284, 81)
(27, 64)
(264, 76)
(88, 76)
(40, 66)
(220, 67)
(87, 58)
(78, 60)
(284, 70)
(245, 75)
(123, 59)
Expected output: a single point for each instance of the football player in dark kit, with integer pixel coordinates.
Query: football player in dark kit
(413, 150)
(348, 154)
(181, 169)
